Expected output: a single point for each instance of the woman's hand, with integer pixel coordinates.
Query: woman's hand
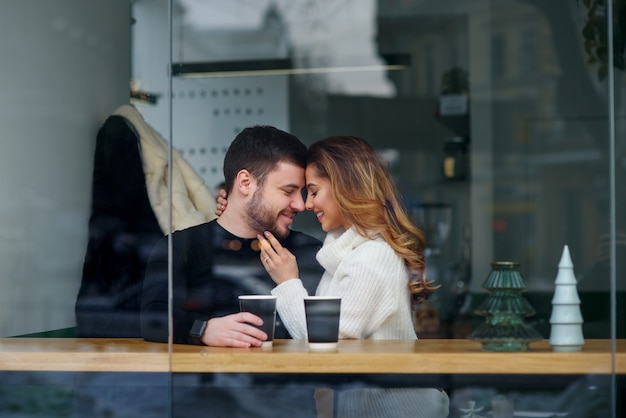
(278, 261)
(220, 207)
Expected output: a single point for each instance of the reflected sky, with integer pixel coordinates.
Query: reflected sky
(331, 32)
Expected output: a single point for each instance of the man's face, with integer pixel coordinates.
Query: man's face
(274, 205)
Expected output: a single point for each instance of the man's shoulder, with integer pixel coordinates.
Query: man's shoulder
(200, 229)
(192, 236)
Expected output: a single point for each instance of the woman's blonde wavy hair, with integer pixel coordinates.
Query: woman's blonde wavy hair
(368, 198)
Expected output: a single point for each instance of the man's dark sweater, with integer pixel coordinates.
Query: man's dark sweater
(211, 268)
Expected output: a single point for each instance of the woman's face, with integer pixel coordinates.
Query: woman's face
(321, 200)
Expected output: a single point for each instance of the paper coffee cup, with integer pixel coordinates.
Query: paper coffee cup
(322, 321)
(263, 306)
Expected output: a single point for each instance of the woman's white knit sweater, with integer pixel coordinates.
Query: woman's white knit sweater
(372, 281)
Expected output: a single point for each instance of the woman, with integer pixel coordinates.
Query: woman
(373, 259)
(372, 254)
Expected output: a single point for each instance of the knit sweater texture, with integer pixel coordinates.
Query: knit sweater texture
(372, 281)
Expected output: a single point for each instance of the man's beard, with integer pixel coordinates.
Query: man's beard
(260, 218)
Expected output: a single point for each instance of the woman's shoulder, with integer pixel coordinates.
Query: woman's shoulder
(374, 240)
(375, 261)
(375, 248)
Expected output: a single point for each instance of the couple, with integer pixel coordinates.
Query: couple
(372, 255)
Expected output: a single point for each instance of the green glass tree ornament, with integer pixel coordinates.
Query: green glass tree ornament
(504, 310)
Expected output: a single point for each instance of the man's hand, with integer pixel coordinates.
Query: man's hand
(234, 331)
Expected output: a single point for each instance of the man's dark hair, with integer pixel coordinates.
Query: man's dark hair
(259, 149)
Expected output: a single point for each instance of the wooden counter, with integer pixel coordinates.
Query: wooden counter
(83, 355)
(426, 356)
(446, 356)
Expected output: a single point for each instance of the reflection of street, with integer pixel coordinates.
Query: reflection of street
(587, 396)
(446, 314)
(54, 394)
(426, 319)
(392, 403)
(73, 395)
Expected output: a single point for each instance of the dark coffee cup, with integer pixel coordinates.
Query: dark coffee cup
(322, 321)
(263, 306)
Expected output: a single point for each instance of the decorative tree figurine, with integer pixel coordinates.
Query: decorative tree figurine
(566, 333)
(505, 309)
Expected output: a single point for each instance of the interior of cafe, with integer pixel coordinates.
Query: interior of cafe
(502, 122)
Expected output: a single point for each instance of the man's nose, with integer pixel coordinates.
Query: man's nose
(297, 203)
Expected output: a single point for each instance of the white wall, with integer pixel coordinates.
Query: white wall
(206, 113)
(65, 68)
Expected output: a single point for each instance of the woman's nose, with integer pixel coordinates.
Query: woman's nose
(308, 204)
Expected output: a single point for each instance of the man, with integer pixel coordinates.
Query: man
(214, 263)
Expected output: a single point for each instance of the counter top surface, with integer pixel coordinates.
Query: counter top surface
(425, 356)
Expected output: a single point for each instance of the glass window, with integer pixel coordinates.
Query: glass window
(502, 123)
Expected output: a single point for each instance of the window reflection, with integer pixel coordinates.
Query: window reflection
(537, 134)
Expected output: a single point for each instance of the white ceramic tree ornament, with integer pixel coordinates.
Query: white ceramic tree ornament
(566, 333)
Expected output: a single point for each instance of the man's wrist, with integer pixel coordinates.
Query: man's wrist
(197, 331)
